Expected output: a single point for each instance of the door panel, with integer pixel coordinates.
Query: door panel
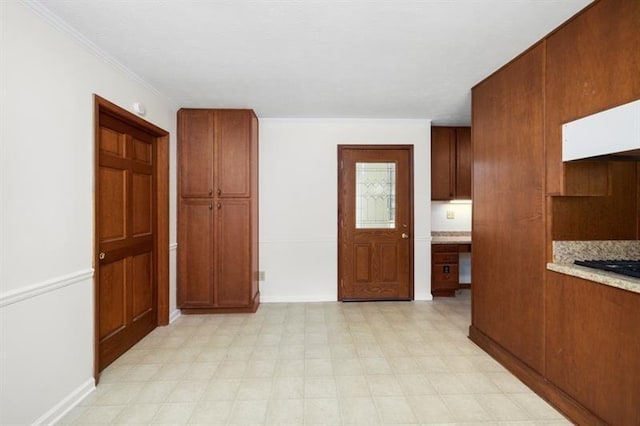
(233, 258)
(195, 254)
(143, 204)
(126, 221)
(233, 145)
(142, 284)
(112, 297)
(113, 200)
(196, 161)
(375, 223)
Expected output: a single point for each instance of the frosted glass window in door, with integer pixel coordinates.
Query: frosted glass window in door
(375, 195)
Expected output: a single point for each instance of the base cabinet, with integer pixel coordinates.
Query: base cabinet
(218, 221)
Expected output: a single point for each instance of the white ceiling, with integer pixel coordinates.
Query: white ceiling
(317, 58)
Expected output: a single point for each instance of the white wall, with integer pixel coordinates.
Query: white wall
(298, 201)
(439, 221)
(48, 78)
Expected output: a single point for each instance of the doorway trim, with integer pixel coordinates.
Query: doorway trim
(161, 243)
(409, 148)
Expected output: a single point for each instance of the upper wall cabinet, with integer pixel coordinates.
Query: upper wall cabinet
(223, 135)
(588, 71)
(450, 163)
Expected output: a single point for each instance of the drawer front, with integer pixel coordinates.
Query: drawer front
(445, 273)
(445, 257)
(444, 248)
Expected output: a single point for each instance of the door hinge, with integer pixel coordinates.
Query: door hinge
(342, 284)
(341, 164)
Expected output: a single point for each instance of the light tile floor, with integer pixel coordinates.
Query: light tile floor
(315, 364)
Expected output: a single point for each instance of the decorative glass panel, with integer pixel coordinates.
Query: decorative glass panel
(375, 195)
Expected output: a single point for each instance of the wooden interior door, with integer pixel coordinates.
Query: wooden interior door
(375, 229)
(125, 232)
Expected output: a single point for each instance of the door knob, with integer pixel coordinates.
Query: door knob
(405, 235)
(101, 255)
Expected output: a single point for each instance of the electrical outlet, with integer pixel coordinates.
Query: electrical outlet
(261, 275)
(451, 214)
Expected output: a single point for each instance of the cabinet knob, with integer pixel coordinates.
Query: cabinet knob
(210, 206)
(219, 191)
(219, 206)
(211, 192)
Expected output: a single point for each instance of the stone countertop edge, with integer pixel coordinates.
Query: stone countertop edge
(607, 278)
(451, 237)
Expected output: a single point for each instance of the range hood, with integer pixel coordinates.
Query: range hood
(613, 134)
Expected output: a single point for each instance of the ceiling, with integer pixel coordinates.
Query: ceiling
(317, 58)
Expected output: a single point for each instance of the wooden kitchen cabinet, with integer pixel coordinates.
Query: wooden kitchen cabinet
(217, 211)
(450, 163)
(586, 73)
(444, 268)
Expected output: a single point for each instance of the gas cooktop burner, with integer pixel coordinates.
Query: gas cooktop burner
(630, 268)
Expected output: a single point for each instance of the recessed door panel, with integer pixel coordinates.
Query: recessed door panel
(112, 142)
(112, 210)
(196, 152)
(142, 151)
(233, 148)
(142, 204)
(233, 257)
(362, 262)
(112, 289)
(142, 283)
(195, 253)
(388, 262)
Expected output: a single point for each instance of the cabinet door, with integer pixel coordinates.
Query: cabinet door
(442, 163)
(195, 145)
(195, 254)
(233, 153)
(463, 163)
(233, 260)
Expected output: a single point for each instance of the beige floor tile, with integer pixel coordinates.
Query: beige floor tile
(288, 388)
(359, 411)
(201, 371)
(347, 367)
(320, 387)
(211, 412)
(431, 364)
(318, 367)
(477, 383)
(537, 408)
(171, 372)
(352, 386)
(446, 383)
(322, 411)
(231, 369)
(99, 414)
(415, 384)
(384, 385)
(248, 412)
(507, 382)
(430, 409)
(291, 352)
(188, 391)
(289, 368)
(376, 366)
(119, 393)
(221, 390)
(174, 413)
(254, 389)
(73, 415)
(260, 368)
(501, 408)
(466, 408)
(154, 392)
(395, 410)
(137, 414)
(285, 411)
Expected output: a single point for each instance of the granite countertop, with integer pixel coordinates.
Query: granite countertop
(451, 237)
(565, 252)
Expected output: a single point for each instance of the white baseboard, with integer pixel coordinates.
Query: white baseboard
(63, 407)
(299, 299)
(174, 315)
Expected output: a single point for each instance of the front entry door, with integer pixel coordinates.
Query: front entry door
(126, 302)
(375, 222)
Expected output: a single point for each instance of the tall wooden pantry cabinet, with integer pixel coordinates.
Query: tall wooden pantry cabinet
(217, 211)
